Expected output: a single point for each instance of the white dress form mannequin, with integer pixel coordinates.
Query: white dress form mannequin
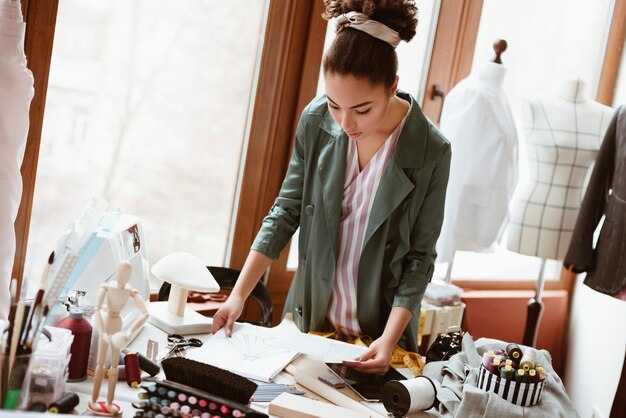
(109, 325)
(563, 131)
(478, 122)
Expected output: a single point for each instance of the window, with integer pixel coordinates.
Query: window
(152, 120)
(294, 37)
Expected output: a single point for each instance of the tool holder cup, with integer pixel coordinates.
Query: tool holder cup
(14, 377)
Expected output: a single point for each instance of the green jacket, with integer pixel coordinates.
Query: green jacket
(399, 244)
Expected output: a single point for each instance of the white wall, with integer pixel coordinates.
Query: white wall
(596, 345)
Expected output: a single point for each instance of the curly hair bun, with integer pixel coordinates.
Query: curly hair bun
(399, 15)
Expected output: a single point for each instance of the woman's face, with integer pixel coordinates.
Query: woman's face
(359, 107)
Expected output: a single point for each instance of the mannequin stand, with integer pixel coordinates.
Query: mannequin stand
(448, 278)
(535, 310)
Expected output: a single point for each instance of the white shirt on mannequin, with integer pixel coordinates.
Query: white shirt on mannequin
(477, 120)
(563, 131)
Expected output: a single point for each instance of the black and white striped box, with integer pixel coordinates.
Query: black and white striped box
(522, 394)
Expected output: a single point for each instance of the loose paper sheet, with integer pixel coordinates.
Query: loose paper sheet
(331, 351)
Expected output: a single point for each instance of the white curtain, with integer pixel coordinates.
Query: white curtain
(16, 93)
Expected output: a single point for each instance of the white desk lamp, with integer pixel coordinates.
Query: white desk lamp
(185, 272)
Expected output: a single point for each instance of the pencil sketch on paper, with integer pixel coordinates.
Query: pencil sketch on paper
(249, 352)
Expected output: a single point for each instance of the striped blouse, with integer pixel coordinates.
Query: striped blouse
(358, 196)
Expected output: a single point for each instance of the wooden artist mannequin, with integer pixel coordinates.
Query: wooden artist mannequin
(109, 325)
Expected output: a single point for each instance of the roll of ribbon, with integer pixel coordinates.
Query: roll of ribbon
(401, 397)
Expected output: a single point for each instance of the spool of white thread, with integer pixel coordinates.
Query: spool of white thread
(401, 397)
(529, 358)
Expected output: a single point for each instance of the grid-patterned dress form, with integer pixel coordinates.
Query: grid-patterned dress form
(562, 140)
(358, 196)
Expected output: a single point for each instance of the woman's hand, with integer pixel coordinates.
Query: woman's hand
(227, 314)
(376, 359)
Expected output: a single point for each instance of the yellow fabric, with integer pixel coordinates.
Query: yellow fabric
(399, 357)
(420, 329)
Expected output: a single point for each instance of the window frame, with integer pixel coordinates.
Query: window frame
(288, 74)
(40, 17)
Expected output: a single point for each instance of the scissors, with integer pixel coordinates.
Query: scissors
(177, 342)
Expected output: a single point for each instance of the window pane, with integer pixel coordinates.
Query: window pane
(147, 106)
(413, 60)
(547, 43)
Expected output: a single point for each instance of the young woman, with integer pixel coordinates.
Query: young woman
(366, 186)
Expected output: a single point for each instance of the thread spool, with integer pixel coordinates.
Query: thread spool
(131, 367)
(488, 358)
(528, 359)
(81, 329)
(506, 372)
(401, 397)
(533, 377)
(37, 407)
(64, 404)
(514, 352)
(540, 371)
(488, 362)
(494, 367)
(146, 364)
(520, 376)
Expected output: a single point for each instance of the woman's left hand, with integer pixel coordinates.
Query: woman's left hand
(376, 359)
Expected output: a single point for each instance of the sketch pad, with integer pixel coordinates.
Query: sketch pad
(249, 352)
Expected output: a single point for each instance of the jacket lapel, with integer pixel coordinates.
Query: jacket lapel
(332, 169)
(393, 188)
(410, 153)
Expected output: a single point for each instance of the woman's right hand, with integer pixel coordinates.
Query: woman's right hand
(227, 314)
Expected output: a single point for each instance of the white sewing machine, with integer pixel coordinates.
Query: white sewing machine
(88, 254)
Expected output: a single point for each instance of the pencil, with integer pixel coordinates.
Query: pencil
(17, 327)
(13, 292)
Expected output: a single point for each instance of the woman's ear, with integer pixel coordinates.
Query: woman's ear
(394, 87)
